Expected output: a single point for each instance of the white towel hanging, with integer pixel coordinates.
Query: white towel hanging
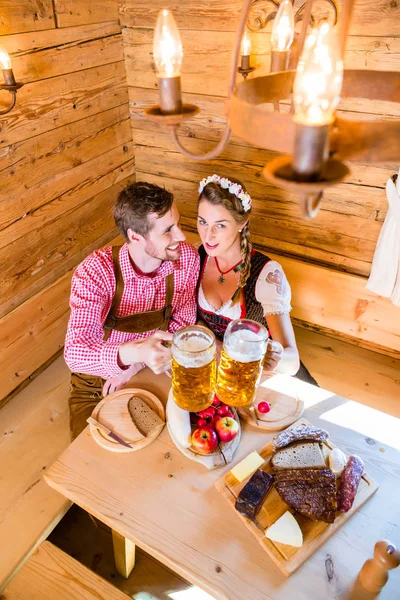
(385, 272)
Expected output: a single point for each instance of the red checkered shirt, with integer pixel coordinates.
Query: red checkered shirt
(93, 288)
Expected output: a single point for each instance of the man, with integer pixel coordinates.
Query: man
(127, 302)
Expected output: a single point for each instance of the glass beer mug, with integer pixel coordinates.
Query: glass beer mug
(194, 367)
(240, 366)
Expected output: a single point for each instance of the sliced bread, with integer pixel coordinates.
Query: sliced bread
(144, 417)
(299, 456)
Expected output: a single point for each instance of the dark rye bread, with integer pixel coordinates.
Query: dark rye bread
(252, 496)
(304, 455)
(298, 434)
(144, 417)
(311, 492)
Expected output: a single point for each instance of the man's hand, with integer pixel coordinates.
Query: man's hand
(273, 356)
(151, 350)
(116, 383)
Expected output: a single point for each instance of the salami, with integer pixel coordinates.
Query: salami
(297, 434)
(349, 483)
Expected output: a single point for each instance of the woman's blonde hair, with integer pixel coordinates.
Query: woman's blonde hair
(218, 196)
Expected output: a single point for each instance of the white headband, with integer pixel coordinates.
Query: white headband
(234, 188)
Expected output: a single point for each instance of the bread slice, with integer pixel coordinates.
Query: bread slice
(145, 418)
(299, 456)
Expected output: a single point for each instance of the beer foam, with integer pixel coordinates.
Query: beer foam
(194, 344)
(241, 346)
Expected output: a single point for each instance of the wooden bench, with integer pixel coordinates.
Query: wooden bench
(51, 574)
(34, 430)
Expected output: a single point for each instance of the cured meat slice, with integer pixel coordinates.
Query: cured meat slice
(252, 496)
(349, 481)
(297, 434)
(311, 492)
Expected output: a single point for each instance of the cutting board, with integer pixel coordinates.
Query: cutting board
(315, 533)
(113, 412)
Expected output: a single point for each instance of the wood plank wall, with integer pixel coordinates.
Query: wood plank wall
(343, 236)
(65, 152)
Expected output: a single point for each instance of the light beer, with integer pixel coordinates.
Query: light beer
(193, 368)
(240, 367)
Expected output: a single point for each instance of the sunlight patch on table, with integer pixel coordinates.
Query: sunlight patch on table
(193, 593)
(367, 421)
(295, 388)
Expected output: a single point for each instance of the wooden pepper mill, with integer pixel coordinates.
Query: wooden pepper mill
(375, 571)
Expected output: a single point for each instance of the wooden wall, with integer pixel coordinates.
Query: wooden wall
(342, 238)
(65, 152)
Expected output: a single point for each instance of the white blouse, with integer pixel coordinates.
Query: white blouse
(272, 291)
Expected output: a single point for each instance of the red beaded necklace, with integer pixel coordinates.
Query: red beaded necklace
(235, 268)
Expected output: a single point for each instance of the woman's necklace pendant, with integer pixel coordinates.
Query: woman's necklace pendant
(221, 279)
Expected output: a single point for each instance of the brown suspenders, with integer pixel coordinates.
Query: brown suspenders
(139, 322)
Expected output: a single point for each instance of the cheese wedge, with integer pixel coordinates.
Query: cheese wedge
(285, 530)
(247, 466)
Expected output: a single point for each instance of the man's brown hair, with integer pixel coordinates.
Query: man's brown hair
(136, 202)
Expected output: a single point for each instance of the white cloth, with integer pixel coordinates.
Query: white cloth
(272, 291)
(385, 271)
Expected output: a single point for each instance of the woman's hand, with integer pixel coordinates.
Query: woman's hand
(273, 356)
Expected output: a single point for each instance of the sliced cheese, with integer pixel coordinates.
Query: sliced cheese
(286, 530)
(179, 423)
(247, 466)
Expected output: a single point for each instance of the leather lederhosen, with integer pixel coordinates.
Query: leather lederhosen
(253, 308)
(86, 390)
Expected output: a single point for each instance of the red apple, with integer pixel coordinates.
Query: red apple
(204, 440)
(264, 407)
(223, 410)
(210, 412)
(227, 428)
(216, 418)
(216, 401)
(230, 414)
(201, 423)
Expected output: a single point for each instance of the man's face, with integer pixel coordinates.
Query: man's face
(164, 238)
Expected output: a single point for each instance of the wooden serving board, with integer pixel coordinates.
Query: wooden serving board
(315, 533)
(285, 410)
(113, 412)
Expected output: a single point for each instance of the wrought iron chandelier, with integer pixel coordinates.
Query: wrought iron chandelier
(313, 139)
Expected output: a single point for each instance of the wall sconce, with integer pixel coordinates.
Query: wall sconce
(245, 52)
(9, 80)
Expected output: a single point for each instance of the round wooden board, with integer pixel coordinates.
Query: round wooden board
(214, 460)
(285, 410)
(118, 419)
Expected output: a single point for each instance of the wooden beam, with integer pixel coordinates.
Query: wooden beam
(42, 106)
(17, 16)
(379, 18)
(124, 554)
(78, 12)
(38, 56)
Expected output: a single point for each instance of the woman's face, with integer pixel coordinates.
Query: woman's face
(217, 228)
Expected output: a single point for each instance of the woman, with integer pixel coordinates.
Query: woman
(238, 282)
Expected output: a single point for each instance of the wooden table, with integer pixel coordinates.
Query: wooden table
(168, 505)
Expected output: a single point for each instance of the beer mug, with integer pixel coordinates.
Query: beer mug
(194, 367)
(240, 366)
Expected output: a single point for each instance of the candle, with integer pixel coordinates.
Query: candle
(168, 57)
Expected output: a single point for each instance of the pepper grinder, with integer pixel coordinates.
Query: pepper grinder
(375, 571)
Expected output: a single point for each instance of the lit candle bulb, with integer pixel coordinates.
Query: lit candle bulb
(246, 45)
(245, 51)
(282, 37)
(319, 79)
(283, 28)
(5, 64)
(316, 95)
(168, 57)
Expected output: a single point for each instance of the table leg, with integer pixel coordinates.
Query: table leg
(124, 554)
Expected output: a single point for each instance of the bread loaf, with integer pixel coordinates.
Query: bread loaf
(144, 417)
(299, 456)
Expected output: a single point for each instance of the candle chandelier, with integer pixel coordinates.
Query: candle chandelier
(314, 140)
